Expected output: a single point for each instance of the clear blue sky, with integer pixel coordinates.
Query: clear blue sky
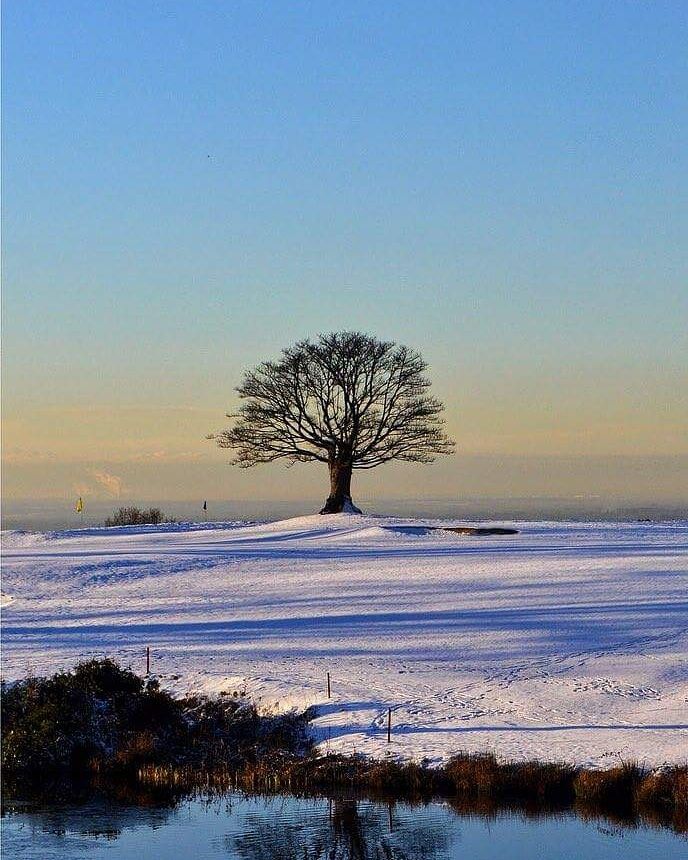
(189, 186)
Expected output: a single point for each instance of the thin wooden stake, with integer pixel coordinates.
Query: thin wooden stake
(389, 725)
(329, 691)
(147, 659)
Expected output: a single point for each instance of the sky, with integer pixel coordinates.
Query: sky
(189, 187)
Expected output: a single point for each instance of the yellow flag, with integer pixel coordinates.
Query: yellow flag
(79, 505)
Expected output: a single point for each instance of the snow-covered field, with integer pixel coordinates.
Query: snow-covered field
(567, 641)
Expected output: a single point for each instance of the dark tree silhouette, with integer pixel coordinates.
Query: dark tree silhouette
(348, 400)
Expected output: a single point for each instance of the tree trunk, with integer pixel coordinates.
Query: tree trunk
(340, 489)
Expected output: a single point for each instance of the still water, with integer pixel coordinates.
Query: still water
(235, 827)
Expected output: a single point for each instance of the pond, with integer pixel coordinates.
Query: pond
(236, 827)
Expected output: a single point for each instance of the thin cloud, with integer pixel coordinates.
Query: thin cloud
(112, 484)
(164, 456)
(27, 455)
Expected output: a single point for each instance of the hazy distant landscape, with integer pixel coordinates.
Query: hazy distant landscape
(49, 514)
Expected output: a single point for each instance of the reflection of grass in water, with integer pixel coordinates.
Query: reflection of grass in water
(281, 827)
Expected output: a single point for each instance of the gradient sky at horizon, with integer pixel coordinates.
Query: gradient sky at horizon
(188, 187)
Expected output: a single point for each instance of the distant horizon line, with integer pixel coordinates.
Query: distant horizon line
(602, 499)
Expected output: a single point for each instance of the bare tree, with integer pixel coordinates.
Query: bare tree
(348, 400)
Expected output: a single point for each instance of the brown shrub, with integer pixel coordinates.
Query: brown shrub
(473, 775)
(614, 788)
(137, 748)
(535, 781)
(679, 778)
(480, 775)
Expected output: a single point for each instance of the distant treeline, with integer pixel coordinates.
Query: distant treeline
(133, 516)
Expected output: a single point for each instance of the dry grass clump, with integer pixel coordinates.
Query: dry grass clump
(623, 793)
(667, 787)
(530, 781)
(535, 781)
(472, 775)
(388, 777)
(664, 794)
(614, 788)
(407, 778)
(627, 792)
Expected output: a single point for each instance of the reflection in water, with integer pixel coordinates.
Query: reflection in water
(352, 830)
(100, 820)
(236, 827)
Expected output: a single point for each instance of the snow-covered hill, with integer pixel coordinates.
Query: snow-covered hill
(564, 641)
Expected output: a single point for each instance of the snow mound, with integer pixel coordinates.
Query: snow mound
(567, 641)
(11, 538)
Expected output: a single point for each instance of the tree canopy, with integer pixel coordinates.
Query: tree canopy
(346, 399)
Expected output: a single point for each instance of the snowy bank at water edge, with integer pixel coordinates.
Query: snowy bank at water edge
(565, 641)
